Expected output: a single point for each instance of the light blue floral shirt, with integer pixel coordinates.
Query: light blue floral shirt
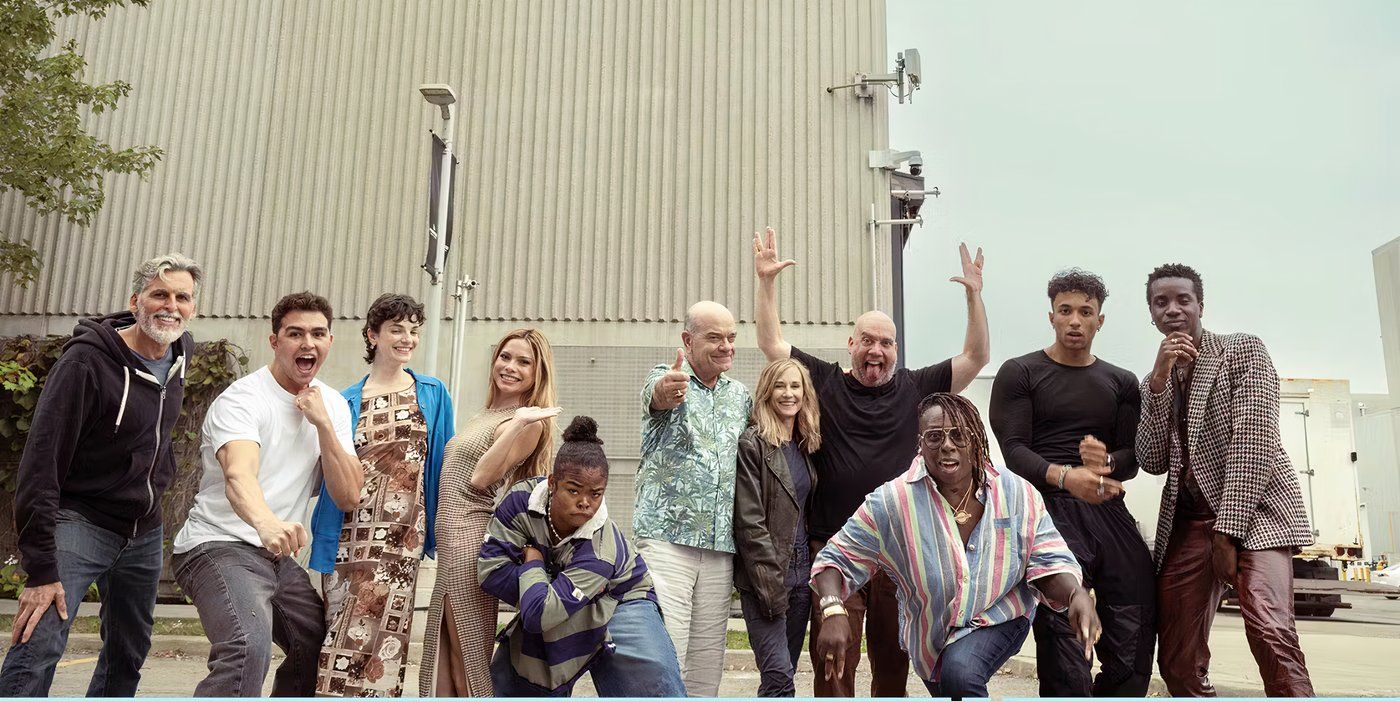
(685, 484)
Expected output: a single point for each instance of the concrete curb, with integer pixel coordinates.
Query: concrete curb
(735, 660)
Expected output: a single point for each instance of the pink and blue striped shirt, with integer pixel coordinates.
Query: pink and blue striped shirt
(947, 590)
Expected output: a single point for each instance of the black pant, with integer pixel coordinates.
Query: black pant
(1118, 567)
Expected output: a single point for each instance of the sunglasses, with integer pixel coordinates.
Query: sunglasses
(935, 437)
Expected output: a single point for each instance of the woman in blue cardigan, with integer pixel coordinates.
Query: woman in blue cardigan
(370, 556)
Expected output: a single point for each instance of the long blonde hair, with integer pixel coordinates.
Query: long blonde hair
(806, 431)
(541, 395)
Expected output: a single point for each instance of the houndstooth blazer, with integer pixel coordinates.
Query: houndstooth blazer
(1234, 447)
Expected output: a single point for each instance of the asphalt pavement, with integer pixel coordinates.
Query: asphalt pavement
(1353, 653)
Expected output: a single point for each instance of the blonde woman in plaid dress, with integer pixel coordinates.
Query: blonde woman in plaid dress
(509, 440)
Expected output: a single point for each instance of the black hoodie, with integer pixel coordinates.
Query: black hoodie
(99, 442)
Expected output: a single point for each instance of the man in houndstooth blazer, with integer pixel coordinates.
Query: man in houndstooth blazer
(1231, 512)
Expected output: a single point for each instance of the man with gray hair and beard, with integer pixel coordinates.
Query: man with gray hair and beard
(870, 426)
(96, 462)
(692, 415)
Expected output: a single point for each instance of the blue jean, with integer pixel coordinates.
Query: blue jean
(965, 666)
(247, 600)
(777, 642)
(127, 573)
(643, 665)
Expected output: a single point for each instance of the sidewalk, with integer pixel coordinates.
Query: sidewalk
(1341, 664)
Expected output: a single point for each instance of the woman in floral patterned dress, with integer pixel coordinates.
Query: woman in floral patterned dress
(509, 440)
(370, 556)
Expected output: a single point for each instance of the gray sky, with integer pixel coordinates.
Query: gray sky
(1256, 141)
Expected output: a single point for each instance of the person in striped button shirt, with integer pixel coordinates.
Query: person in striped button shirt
(972, 550)
(585, 597)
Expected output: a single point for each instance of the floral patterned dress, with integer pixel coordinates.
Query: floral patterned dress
(369, 596)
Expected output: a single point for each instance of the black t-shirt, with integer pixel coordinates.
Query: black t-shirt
(869, 434)
(1041, 410)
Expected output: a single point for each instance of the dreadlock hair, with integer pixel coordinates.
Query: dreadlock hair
(582, 449)
(1167, 270)
(963, 413)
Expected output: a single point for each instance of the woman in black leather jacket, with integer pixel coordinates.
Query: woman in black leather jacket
(772, 489)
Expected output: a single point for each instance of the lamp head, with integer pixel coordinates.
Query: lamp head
(439, 94)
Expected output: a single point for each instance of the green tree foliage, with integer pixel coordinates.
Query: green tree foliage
(46, 154)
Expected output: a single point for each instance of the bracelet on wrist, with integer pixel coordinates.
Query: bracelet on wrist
(1064, 471)
(837, 610)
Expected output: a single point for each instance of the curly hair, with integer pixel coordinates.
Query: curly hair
(1167, 270)
(300, 302)
(1077, 280)
(963, 413)
(387, 308)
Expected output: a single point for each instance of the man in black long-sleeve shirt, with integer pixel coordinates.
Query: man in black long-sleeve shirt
(1066, 422)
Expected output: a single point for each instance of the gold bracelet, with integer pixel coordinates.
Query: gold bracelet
(836, 610)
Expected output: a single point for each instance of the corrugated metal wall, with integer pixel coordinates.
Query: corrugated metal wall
(616, 156)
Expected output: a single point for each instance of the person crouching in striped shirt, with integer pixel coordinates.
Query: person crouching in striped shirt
(585, 597)
(972, 550)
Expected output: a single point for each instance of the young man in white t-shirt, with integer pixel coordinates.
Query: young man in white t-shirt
(268, 440)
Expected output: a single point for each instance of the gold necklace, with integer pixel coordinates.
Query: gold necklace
(959, 514)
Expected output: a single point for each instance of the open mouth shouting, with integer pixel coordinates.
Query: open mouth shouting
(306, 363)
(948, 465)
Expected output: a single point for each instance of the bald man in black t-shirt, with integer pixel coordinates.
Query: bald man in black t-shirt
(869, 425)
(1066, 422)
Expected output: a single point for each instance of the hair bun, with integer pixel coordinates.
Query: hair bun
(582, 429)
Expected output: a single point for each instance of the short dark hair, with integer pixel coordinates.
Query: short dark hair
(582, 448)
(1077, 280)
(389, 307)
(1167, 270)
(300, 302)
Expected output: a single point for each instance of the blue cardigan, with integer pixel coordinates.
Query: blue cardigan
(436, 406)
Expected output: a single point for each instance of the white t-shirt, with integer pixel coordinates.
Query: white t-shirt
(256, 408)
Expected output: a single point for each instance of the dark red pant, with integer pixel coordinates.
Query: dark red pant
(1188, 594)
(876, 606)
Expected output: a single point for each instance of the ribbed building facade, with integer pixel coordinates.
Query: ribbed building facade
(615, 159)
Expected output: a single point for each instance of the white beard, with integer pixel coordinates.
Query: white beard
(160, 335)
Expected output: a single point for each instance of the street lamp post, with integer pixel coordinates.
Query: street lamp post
(444, 97)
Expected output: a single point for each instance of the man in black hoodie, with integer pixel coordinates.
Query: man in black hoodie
(96, 462)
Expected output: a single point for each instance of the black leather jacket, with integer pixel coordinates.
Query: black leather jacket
(766, 514)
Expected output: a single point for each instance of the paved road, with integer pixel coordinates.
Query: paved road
(176, 675)
(1353, 654)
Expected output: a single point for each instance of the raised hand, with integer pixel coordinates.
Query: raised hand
(531, 414)
(765, 257)
(669, 391)
(971, 277)
(309, 403)
(1094, 454)
(1176, 348)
